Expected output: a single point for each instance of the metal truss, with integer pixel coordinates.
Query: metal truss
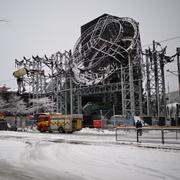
(155, 84)
(106, 60)
(33, 79)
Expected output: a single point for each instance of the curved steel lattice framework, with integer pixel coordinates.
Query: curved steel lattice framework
(109, 53)
(103, 47)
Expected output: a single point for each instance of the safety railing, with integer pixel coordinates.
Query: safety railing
(152, 135)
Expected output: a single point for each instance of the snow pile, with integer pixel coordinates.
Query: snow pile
(31, 129)
(96, 131)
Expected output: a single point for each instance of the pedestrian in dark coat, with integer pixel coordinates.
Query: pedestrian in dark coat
(139, 127)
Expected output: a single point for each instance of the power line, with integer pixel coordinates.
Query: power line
(170, 39)
(3, 20)
(172, 72)
(162, 41)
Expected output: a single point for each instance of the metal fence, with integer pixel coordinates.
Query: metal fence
(149, 135)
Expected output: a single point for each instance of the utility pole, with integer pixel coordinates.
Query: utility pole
(178, 67)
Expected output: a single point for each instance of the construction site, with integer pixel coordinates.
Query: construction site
(107, 73)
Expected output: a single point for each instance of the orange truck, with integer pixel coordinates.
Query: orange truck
(59, 122)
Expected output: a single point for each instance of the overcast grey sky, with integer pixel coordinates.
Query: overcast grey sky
(39, 27)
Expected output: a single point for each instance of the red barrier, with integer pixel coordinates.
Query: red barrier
(97, 123)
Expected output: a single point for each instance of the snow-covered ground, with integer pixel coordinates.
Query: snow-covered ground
(86, 155)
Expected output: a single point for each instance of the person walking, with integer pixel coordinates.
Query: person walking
(139, 127)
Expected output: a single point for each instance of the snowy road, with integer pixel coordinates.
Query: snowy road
(36, 156)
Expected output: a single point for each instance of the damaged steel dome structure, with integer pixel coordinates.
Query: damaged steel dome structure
(107, 62)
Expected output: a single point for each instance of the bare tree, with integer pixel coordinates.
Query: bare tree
(16, 105)
(3, 105)
(41, 105)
